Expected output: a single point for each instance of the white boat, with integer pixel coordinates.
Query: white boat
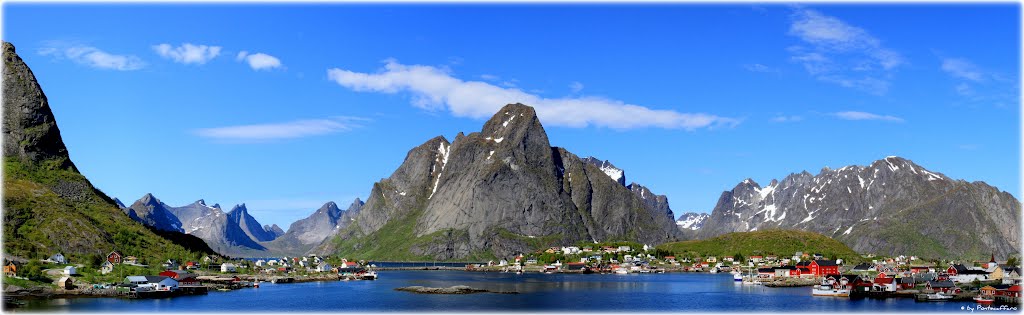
(938, 296)
(621, 271)
(737, 276)
(372, 275)
(828, 290)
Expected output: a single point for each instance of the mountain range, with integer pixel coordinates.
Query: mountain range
(236, 232)
(892, 206)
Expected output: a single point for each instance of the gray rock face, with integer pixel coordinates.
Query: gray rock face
(274, 229)
(150, 211)
(498, 190)
(608, 168)
(211, 224)
(119, 203)
(892, 206)
(30, 130)
(239, 215)
(307, 233)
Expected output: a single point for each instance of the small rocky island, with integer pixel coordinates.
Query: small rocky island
(458, 289)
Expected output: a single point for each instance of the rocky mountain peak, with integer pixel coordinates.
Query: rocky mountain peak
(608, 168)
(30, 129)
(119, 203)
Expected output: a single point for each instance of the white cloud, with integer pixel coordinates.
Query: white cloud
(962, 68)
(285, 130)
(435, 89)
(853, 115)
(188, 53)
(841, 53)
(756, 67)
(489, 77)
(964, 89)
(91, 56)
(784, 118)
(259, 61)
(576, 87)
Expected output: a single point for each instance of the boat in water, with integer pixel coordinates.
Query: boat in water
(737, 276)
(829, 290)
(621, 271)
(937, 296)
(984, 299)
(371, 275)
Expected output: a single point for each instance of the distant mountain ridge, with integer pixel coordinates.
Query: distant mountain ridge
(892, 206)
(237, 233)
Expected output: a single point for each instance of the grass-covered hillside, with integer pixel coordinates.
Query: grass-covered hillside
(782, 243)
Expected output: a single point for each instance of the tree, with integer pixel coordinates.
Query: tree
(738, 257)
(1013, 261)
(33, 271)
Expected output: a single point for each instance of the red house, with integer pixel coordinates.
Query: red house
(183, 278)
(955, 269)
(114, 257)
(823, 267)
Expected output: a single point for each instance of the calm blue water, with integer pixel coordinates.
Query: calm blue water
(539, 292)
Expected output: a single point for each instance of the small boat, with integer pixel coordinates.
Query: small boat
(223, 289)
(828, 290)
(621, 271)
(372, 275)
(984, 299)
(256, 284)
(938, 296)
(736, 276)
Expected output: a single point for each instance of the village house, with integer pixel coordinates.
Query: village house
(191, 265)
(624, 248)
(821, 267)
(261, 263)
(115, 257)
(755, 259)
(131, 260)
(106, 267)
(883, 283)
(711, 259)
(323, 267)
(11, 269)
(670, 259)
(863, 267)
(570, 250)
(66, 283)
(1009, 295)
(228, 267)
(169, 264)
(58, 258)
(184, 278)
(945, 287)
(70, 271)
(161, 283)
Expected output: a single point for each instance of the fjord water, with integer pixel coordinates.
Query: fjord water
(538, 292)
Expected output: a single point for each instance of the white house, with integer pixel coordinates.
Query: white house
(570, 250)
(624, 248)
(323, 267)
(261, 263)
(272, 262)
(227, 267)
(106, 267)
(58, 258)
(70, 271)
(503, 262)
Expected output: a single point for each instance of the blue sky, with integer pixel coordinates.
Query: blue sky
(285, 107)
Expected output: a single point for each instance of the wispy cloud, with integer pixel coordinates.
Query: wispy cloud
(784, 118)
(91, 56)
(284, 130)
(854, 115)
(962, 69)
(435, 89)
(187, 53)
(575, 87)
(259, 61)
(841, 53)
(757, 67)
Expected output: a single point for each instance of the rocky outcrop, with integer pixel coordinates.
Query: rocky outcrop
(496, 193)
(239, 215)
(150, 211)
(274, 229)
(312, 231)
(892, 206)
(30, 130)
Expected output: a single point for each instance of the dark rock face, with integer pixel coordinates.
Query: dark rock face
(239, 215)
(150, 211)
(30, 130)
(119, 203)
(892, 206)
(499, 190)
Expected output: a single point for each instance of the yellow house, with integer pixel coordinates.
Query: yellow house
(10, 269)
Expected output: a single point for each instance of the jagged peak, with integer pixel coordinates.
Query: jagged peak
(201, 202)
